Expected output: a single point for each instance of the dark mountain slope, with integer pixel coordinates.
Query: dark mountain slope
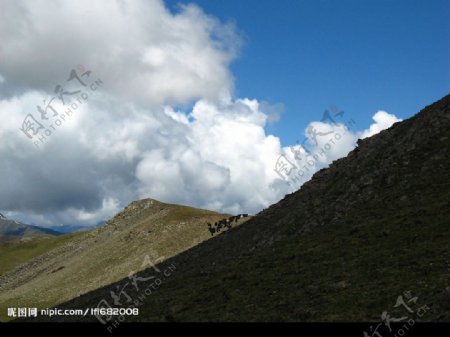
(49, 272)
(372, 227)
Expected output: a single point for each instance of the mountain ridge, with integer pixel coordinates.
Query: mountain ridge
(344, 247)
(11, 228)
(145, 229)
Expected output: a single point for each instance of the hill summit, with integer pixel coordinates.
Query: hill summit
(84, 261)
(365, 238)
(368, 230)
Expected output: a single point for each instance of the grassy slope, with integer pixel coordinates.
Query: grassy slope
(15, 251)
(341, 273)
(348, 272)
(379, 226)
(105, 255)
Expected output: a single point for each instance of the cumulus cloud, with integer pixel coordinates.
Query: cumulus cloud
(324, 143)
(130, 139)
(225, 159)
(140, 49)
(383, 120)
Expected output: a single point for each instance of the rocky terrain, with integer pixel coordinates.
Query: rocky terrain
(370, 228)
(81, 262)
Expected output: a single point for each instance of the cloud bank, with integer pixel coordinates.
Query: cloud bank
(164, 123)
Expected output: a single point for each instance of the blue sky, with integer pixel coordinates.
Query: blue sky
(163, 124)
(362, 56)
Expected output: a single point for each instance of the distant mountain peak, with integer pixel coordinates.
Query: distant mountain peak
(11, 228)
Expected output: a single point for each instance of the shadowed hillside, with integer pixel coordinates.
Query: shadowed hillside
(371, 227)
(80, 262)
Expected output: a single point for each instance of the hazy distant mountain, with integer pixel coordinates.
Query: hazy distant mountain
(65, 229)
(10, 228)
(372, 227)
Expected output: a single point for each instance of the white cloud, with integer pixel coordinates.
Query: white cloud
(325, 143)
(129, 140)
(383, 120)
(109, 206)
(223, 160)
(143, 52)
